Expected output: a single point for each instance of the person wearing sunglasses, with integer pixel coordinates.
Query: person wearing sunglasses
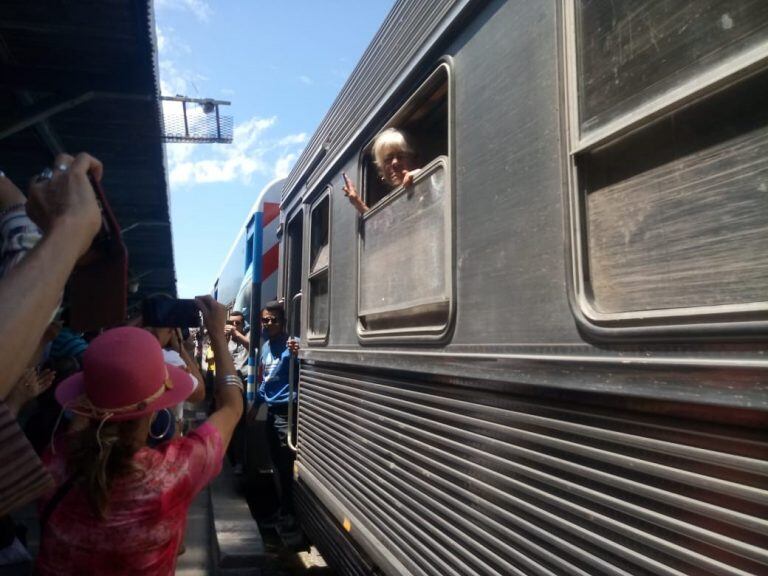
(272, 399)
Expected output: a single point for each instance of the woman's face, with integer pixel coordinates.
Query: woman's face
(394, 164)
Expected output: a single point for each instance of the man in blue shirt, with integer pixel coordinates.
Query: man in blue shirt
(276, 356)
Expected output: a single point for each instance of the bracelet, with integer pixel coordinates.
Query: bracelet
(238, 386)
(232, 380)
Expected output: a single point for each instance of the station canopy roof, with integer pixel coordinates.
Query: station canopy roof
(82, 76)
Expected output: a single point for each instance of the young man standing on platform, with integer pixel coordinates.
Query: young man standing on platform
(272, 397)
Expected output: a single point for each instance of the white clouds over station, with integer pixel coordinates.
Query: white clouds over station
(199, 8)
(258, 149)
(254, 151)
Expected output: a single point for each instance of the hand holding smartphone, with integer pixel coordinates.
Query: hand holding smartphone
(170, 313)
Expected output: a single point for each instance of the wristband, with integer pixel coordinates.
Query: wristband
(232, 380)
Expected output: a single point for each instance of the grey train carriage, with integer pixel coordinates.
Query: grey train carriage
(548, 356)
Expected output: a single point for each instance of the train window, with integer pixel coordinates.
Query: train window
(424, 122)
(630, 53)
(670, 155)
(249, 246)
(406, 248)
(294, 242)
(405, 258)
(319, 251)
(243, 299)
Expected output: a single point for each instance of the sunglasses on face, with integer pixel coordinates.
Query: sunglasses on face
(389, 158)
(270, 321)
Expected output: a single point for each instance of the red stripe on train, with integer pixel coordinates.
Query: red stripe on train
(269, 262)
(271, 211)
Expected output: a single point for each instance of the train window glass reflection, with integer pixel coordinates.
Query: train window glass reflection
(319, 250)
(630, 53)
(405, 259)
(674, 214)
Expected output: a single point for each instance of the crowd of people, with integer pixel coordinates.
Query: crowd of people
(92, 423)
(104, 453)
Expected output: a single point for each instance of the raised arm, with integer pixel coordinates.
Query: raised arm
(350, 191)
(229, 388)
(177, 344)
(237, 336)
(65, 208)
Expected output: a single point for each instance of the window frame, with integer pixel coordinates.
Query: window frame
(314, 339)
(418, 334)
(689, 323)
(295, 215)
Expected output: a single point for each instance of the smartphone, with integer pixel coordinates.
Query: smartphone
(170, 313)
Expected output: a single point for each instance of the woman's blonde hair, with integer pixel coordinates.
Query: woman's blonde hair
(99, 454)
(389, 139)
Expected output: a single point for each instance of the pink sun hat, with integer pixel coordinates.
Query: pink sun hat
(124, 377)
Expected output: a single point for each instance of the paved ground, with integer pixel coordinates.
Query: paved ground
(281, 563)
(197, 559)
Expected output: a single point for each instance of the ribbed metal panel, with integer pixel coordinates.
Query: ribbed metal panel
(410, 26)
(453, 481)
(323, 530)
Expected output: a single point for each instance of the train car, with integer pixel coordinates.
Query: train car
(548, 355)
(248, 277)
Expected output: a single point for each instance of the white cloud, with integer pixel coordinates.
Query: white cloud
(180, 153)
(284, 164)
(172, 80)
(252, 152)
(293, 139)
(199, 8)
(168, 42)
(305, 80)
(162, 42)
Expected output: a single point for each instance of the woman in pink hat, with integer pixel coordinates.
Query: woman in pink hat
(120, 507)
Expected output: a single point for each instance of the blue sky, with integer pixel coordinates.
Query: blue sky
(281, 63)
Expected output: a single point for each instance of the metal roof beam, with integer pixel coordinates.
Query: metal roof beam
(56, 80)
(40, 111)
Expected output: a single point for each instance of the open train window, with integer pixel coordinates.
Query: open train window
(424, 122)
(669, 148)
(318, 274)
(406, 243)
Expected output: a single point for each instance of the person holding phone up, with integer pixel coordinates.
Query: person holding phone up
(120, 507)
(237, 340)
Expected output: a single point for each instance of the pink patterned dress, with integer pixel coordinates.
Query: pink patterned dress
(146, 518)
